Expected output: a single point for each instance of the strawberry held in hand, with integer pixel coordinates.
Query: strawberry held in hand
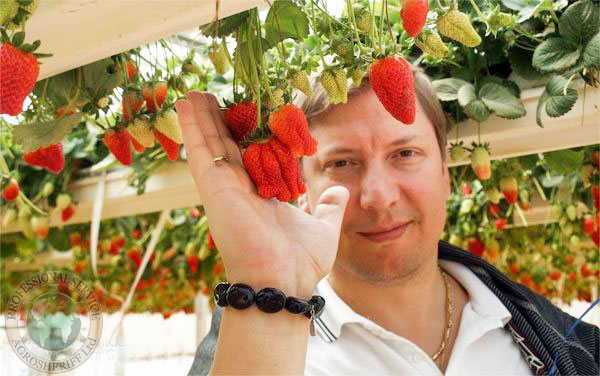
(290, 126)
(414, 16)
(240, 118)
(50, 158)
(119, 144)
(274, 170)
(392, 81)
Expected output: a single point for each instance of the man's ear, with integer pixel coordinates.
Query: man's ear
(303, 203)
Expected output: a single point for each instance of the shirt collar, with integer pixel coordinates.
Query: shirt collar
(483, 301)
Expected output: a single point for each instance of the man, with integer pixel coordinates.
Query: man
(398, 300)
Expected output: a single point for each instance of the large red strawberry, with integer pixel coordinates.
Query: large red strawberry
(476, 246)
(170, 147)
(49, 157)
(555, 275)
(132, 103)
(393, 82)
(67, 213)
(193, 261)
(11, 191)
(414, 16)
(155, 95)
(589, 225)
(481, 163)
(19, 71)
(501, 224)
(510, 189)
(135, 255)
(240, 118)
(274, 170)
(119, 144)
(290, 126)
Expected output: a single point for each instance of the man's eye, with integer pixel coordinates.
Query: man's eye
(406, 153)
(338, 164)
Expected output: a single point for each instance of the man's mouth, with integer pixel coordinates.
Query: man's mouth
(387, 233)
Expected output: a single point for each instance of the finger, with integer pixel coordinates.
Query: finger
(206, 123)
(332, 204)
(232, 149)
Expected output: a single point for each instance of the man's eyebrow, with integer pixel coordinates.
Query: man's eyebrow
(343, 149)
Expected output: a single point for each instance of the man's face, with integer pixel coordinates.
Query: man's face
(395, 175)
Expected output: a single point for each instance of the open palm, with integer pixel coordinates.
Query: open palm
(262, 242)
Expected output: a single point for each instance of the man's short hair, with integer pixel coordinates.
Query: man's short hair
(318, 102)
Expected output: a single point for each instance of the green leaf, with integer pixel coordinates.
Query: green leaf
(529, 161)
(36, 135)
(59, 89)
(477, 110)
(510, 85)
(502, 101)
(285, 20)
(59, 239)
(100, 79)
(580, 21)
(447, 88)
(555, 54)
(591, 55)
(18, 39)
(466, 94)
(520, 62)
(564, 161)
(555, 101)
(227, 25)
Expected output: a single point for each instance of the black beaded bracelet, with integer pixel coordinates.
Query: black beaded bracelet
(269, 300)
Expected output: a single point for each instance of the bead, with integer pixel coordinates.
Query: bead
(318, 302)
(295, 305)
(240, 296)
(270, 300)
(221, 294)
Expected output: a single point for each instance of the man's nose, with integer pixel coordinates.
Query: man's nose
(379, 188)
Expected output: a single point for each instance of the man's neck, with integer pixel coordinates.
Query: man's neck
(414, 307)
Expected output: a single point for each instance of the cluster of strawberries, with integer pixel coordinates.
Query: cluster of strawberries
(272, 163)
(141, 128)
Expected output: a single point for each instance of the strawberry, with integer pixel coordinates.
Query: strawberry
(481, 163)
(466, 189)
(458, 152)
(589, 225)
(40, 226)
(492, 250)
(290, 126)
(299, 80)
(514, 268)
(596, 237)
(50, 157)
(335, 83)
(116, 244)
(431, 44)
(211, 242)
(494, 209)
(476, 246)
(132, 69)
(136, 233)
(167, 314)
(569, 259)
(457, 26)
(586, 271)
(135, 255)
(63, 200)
(218, 56)
(596, 158)
(119, 144)
(193, 261)
(501, 224)
(19, 71)
(414, 16)
(11, 191)
(509, 188)
(596, 195)
(65, 111)
(240, 118)
(74, 239)
(274, 170)
(79, 266)
(364, 20)
(195, 213)
(555, 275)
(167, 123)
(218, 268)
(392, 80)
(67, 213)
(170, 147)
(155, 95)
(132, 102)
(357, 76)
(141, 132)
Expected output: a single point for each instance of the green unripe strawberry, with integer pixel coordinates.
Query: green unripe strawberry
(457, 26)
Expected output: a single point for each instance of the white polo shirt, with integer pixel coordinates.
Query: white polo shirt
(361, 347)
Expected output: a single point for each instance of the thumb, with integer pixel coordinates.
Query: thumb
(332, 204)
